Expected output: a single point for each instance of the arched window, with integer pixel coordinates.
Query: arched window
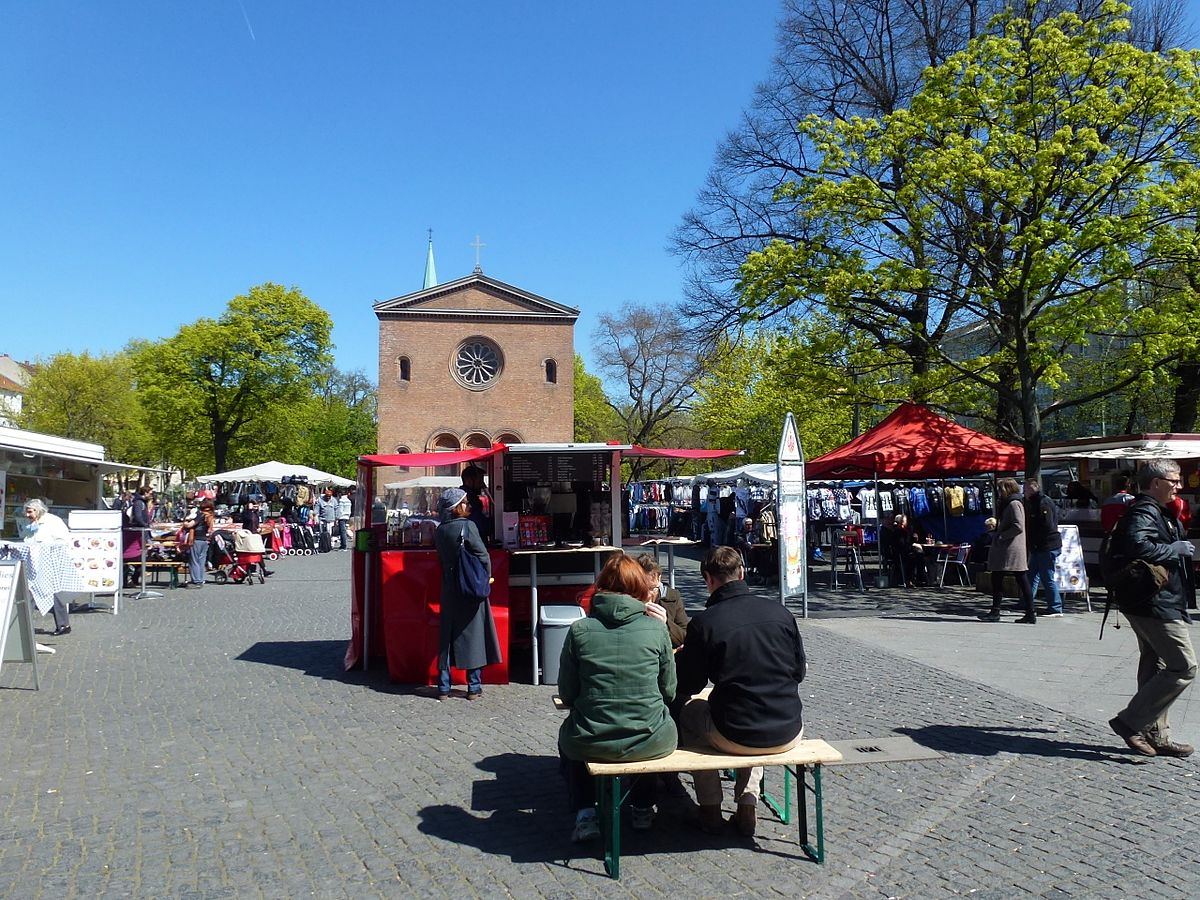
(404, 366)
(551, 372)
(445, 441)
(402, 450)
(477, 441)
(507, 437)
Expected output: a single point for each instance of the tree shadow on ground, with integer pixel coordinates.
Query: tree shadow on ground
(978, 740)
(522, 814)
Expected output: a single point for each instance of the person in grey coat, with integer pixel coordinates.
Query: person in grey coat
(1008, 554)
(468, 631)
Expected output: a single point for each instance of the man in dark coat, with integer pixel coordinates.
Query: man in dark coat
(1043, 543)
(468, 631)
(1167, 662)
(750, 649)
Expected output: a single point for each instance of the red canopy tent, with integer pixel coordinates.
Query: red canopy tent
(913, 442)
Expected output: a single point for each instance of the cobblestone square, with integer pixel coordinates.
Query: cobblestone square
(208, 744)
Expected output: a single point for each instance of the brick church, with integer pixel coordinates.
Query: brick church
(471, 362)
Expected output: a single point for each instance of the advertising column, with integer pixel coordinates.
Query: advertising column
(789, 495)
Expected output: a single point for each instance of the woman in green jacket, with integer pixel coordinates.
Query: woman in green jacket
(617, 674)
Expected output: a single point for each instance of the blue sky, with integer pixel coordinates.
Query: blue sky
(159, 158)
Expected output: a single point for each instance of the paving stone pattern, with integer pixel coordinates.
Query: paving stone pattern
(208, 744)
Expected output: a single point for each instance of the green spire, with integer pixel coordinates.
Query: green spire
(430, 268)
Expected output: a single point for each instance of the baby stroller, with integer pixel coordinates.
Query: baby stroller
(220, 554)
(246, 560)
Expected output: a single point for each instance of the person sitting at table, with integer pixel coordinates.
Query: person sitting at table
(44, 527)
(669, 599)
(906, 552)
(617, 674)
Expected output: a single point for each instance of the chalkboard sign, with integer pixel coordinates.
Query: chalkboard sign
(553, 468)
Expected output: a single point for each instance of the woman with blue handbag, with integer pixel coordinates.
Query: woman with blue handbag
(468, 631)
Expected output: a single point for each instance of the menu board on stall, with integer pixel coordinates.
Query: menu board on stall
(555, 468)
(96, 548)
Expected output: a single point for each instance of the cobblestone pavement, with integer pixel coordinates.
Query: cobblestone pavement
(208, 744)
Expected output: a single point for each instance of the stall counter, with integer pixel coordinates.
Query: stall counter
(404, 622)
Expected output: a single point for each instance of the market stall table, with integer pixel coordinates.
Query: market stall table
(669, 542)
(49, 570)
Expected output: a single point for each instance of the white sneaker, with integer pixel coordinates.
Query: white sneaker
(641, 818)
(587, 827)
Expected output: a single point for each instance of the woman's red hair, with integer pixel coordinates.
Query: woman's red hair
(623, 575)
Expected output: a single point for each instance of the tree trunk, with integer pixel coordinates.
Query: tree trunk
(1187, 396)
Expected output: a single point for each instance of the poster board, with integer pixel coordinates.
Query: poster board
(792, 525)
(1070, 573)
(96, 549)
(16, 625)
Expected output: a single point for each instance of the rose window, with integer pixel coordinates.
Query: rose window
(477, 363)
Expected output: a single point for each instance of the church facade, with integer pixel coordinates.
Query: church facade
(471, 362)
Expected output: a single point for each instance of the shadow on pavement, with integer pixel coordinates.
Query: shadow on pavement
(529, 820)
(981, 741)
(319, 658)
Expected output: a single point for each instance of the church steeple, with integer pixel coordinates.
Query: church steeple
(430, 268)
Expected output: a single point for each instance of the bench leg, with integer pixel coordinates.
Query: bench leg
(610, 822)
(784, 812)
(817, 853)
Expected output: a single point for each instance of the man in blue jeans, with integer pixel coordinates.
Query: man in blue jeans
(1043, 542)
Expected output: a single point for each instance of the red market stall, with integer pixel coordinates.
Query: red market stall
(913, 442)
(555, 515)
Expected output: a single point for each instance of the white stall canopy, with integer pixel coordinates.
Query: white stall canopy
(276, 472)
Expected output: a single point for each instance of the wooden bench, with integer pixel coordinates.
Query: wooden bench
(809, 754)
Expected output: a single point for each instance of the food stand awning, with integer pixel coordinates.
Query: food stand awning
(680, 453)
(276, 471)
(913, 442)
(1125, 446)
(433, 458)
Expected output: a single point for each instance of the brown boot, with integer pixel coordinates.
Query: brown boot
(745, 819)
(710, 820)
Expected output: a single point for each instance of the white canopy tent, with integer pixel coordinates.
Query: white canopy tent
(425, 481)
(276, 472)
(763, 473)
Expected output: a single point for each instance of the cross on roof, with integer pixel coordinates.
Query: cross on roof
(478, 245)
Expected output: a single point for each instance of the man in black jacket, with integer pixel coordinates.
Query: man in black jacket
(750, 649)
(1167, 662)
(1043, 543)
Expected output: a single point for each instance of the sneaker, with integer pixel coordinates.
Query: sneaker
(1135, 740)
(587, 827)
(989, 617)
(1052, 615)
(1169, 748)
(641, 818)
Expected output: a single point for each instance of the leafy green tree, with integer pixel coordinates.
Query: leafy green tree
(89, 398)
(594, 418)
(334, 426)
(750, 387)
(1036, 178)
(218, 384)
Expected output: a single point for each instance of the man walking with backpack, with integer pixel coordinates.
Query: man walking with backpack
(1154, 592)
(1044, 544)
